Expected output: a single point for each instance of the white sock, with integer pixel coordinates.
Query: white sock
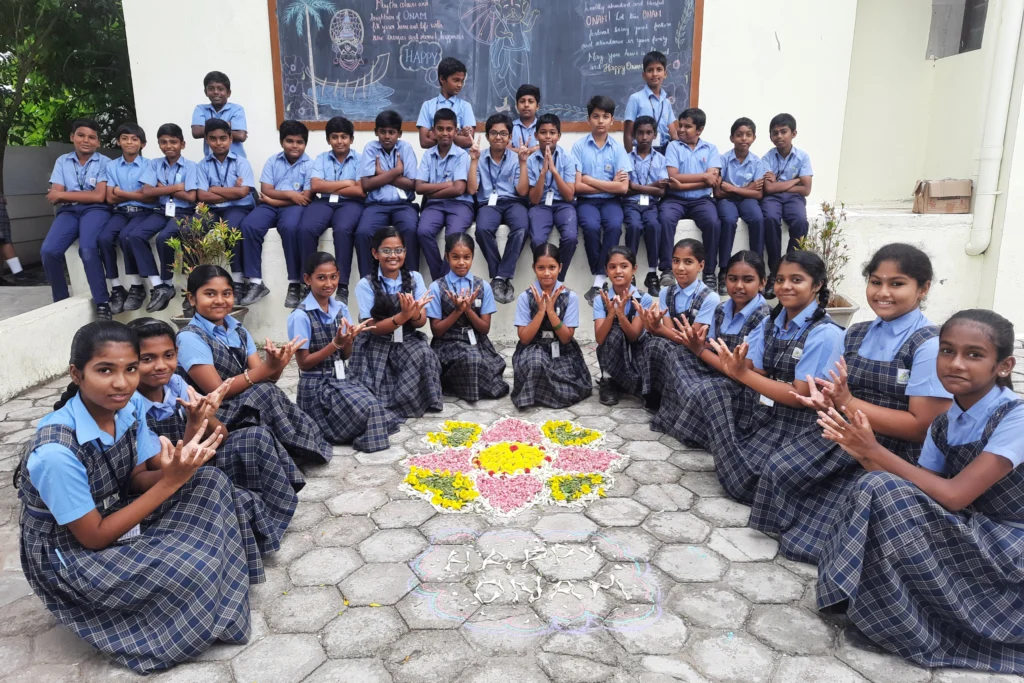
(237, 277)
(132, 280)
(113, 282)
(599, 280)
(15, 265)
(154, 280)
(293, 282)
(256, 280)
(169, 283)
(652, 269)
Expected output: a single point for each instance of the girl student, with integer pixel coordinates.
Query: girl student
(394, 360)
(548, 364)
(621, 338)
(214, 347)
(126, 538)
(926, 559)
(887, 370)
(345, 410)
(460, 312)
(254, 461)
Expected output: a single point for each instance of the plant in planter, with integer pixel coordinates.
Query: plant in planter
(829, 242)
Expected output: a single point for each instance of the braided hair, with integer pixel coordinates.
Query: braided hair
(998, 329)
(814, 267)
(381, 305)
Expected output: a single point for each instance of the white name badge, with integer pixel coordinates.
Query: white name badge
(333, 199)
(110, 500)
(169, 208)
(401, 193)
(92, 181)
(556, 350)
(645, 200)
(478, 303)
(472, 337)
(549, 198)
(765, 401)
(798, 353)
(130, 534)
(607, 168)
(397, 336)
(902, 376)
(339, 369)
(493, 199)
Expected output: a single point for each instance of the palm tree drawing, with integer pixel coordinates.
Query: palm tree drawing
(308, 10)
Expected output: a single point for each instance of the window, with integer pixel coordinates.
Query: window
(957, 26)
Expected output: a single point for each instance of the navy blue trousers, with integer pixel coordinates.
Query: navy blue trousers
(600, 221)
(729, 212)
(454, 216)
(343, 217)
(254, 230)
(135, 239)
(562, 216)
(82, 222)
(701, 211)
(513, 214)
(789, 207)
(643, 220)
(403, 216)
(234, 216)
(109, 240)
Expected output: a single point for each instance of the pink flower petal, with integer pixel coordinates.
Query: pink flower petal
(582, 459)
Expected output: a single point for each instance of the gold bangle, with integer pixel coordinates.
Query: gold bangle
(247, 379)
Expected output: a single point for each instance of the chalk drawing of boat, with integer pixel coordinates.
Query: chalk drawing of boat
(355, 88)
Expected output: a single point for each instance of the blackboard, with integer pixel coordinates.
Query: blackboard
(355, 58)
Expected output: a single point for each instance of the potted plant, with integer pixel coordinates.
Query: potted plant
(203, 239)
(829, 242)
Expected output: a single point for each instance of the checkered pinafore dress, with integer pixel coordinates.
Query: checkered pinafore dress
(469, 371)
(346, 411)
(937, 587)
(803, 485)
(540, 379)
(661, 353)
(154, 600)
(263, 404)
(405, 377)
(626, 362)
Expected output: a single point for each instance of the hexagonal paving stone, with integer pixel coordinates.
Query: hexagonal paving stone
(617, 512)
(693, 461)
(704, 484)
(342, 531)
(518, 669)
(279, 658)
(664, 497)
(598, 646)
(304, 610)
(318, 490)
(647, 450)
(429, 657)
(803, 669)
(70, 673)
(360, 502)
(373, 476)
(722, 512)
(743, 544)
(382, 584)
(662, 634)
(403, 513)
(636, 432)
(764, 583)
(566, 669)
(624, 487)
(263, 594)
(677, 527)
(351, 671)
(625, 415)
(363, 632)
(453, 529)
(690, 563)
(510, 543)
(437, 606)
(791, 630)
(671, 670)
(431, 564)
(507, 630)
(881, 668)
(393, 545)
(569, 562)
(496, 587)
(60, 645)
(25, 617)
(630, 543)
(14, 654)
(708, 606)
(524, 520)
(641, 582)
(307, 515)
(324, 566)
(293, 546)
(564, 527)
(653, 472)
(386, 457)
(566, 611)
(733, 658)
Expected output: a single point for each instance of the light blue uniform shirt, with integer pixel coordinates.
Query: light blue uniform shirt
(213, 173)
(645, 302)
(684, 297)
(389, 194)
(969, 426)
(646, 171)
(176, 388)
(285, 176)
(233, 113)
(697, 160)
(742, 173)
(452, 167)
(127, 175)
(646, 103)
(76, 177)
(822, 348)
(463, 111)
(796, 165)
(327, 167)
(570, 317)
(601, 163)
(159, 172)
(503, 176)
(364, 290)
(884, 339)
(298, 321)
(61, 478)
(193, 351)
(524, 134)
(564, 162)
(733, 322)
(459, 284)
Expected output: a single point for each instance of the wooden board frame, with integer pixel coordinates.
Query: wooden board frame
(567, 127)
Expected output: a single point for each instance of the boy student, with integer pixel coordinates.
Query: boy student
(603, 177)
(285, 190)
(651, 101)
(339, 203)
(78, 186)
(524, 129)
(441, 179)
(451, 76)
(387, 173)
(693, 171)
(500, 182)
(131, 208)
(647, 183)
(786, 186)
(217, 87)
(738, 194)
(551, 172)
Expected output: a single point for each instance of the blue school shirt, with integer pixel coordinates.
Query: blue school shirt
(213, 173)
(60, 477)
(463, 111)
(327, 167)
(298, 321)
(564, 162)
(364, 290)
(159, 172)
(646, 103)
(645, 302)
(742, 173)
(389, 194)
(796, 165)
(127, 175)
(601, 163)
(76, 177)
(285, 176)
(733, 322)
(524, 134)
(822, 348)
(697, 160)
(646, 171)
(884, 339)
(684, 297)
(502, 176)
(193, 351)
(570, 317)
(233, 113)
(459, 284)
(452, 167)
(969, 426)
(176, 388)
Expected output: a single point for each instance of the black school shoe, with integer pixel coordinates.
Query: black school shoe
(341, 295)
(103, 312)
(159, 297)
(509, 291)
(118, 296)
(667, 278)
(241, 289)
(294, 296)
(652, 284)
(712, 282)
(256, 292)
(769, 289)
(136, 297)
(722, 290)
(606, 392)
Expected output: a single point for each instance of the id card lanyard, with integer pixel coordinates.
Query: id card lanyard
(222, 180)
(494, 177)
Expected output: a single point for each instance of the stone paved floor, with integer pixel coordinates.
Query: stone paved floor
(725, 608)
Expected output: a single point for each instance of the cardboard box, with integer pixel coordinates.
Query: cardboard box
(942, 196)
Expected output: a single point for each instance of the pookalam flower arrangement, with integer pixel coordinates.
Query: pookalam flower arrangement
(511, 466)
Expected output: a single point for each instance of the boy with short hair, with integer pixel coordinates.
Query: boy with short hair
(647, 183)
(786, 187)
(693, 171)
(78, 187)
(285, 190)
(441, 180)
(651, 101)
(739, 193)
(387, 173)
(602, 179)
(451, 76)
(524, 129)
(339, 202)
(551, 172)
(217, 87)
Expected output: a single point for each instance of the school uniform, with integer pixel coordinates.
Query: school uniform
(553, 211)
(499, 203)
(463, 111)
(341, 213)
(285, 177)
(547, 372)
(803, 486)
(523, 134)
(625, 362)
(940, 588)
(387, 205)
(697, 205)
(77, 221)
(731, 209)
(600, 214)
(228, 349)
(640, 211)
(454, 215)
(231, 112)
(400, 369)
(125, 216)
(470, 366)
(786, 206)
(214, 173)
(165, 591)
(164, 221)
(646, 103)
(696, 302)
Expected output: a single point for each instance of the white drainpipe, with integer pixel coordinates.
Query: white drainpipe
(997, 112)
